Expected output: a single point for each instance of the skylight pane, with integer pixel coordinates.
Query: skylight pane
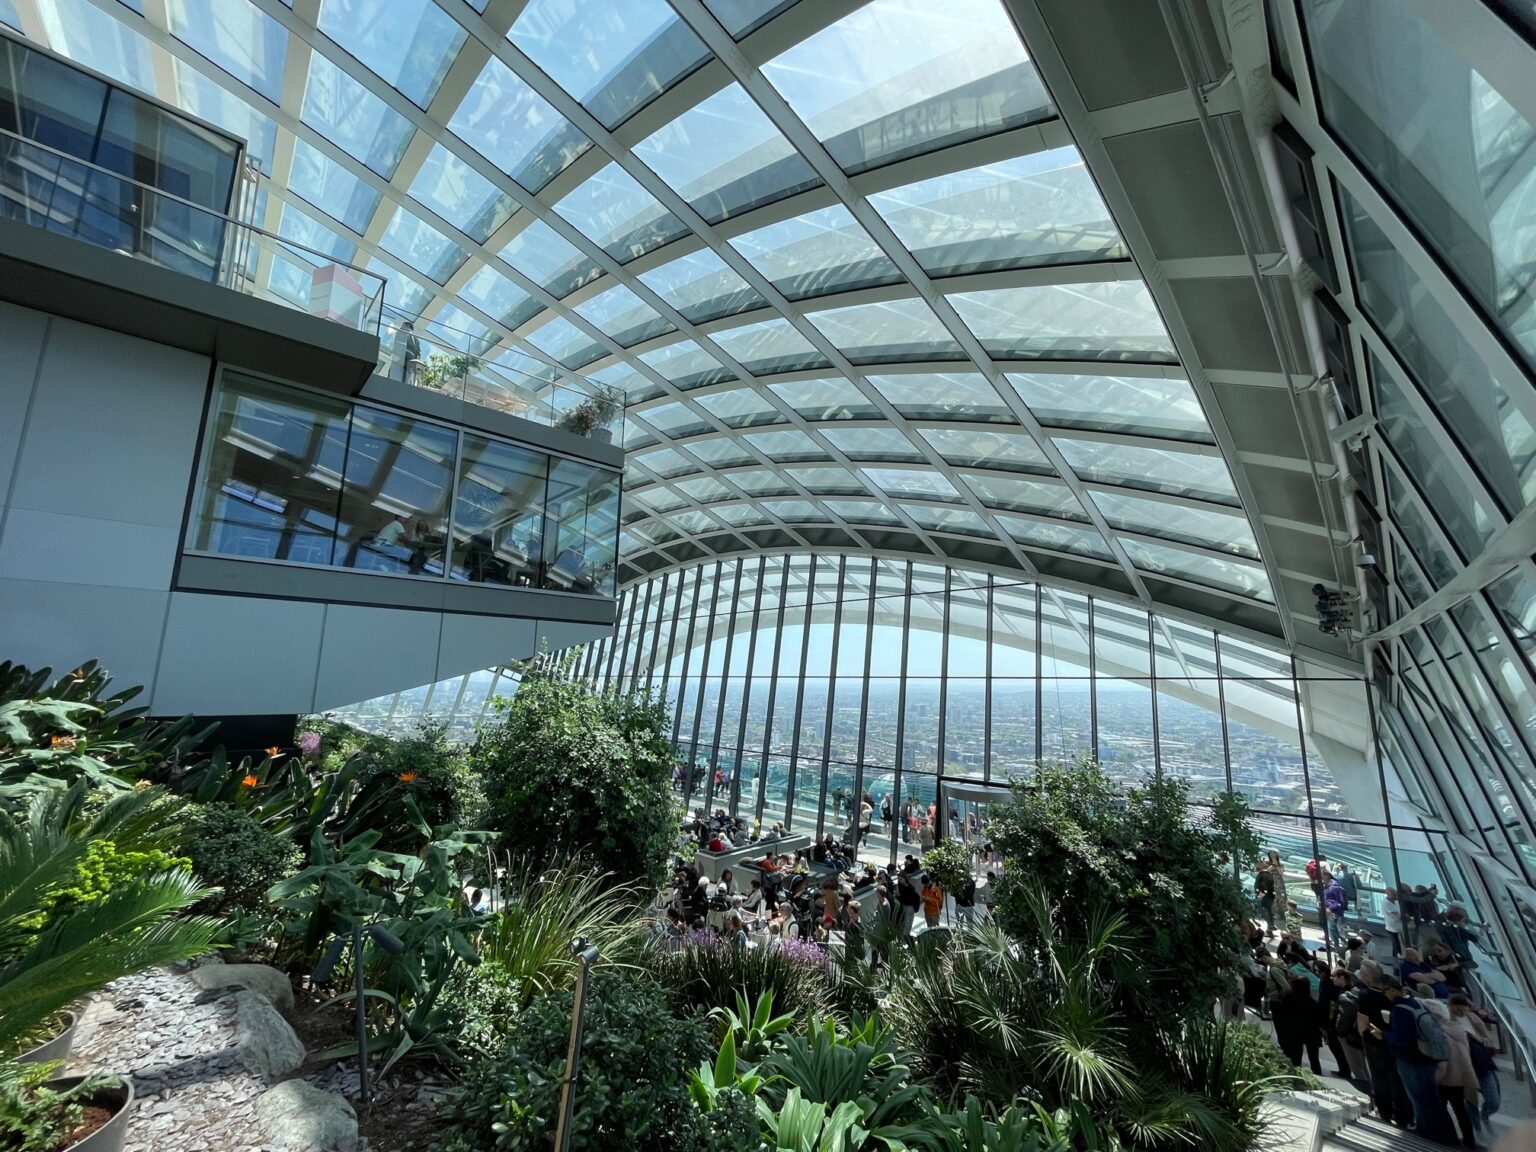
(1150, 406)
(741, 408)
(831, 398)
(665, 462)
(674, 419)
(421, 246)
(721, 452)
(1018, 495)
(498, 297)
(943, 396)
(240, 38)
(884, 444)
(702, 287)
(795, 511)
(353, 118)
(705, 489)
(565, 342)
(624, 316)
(1031, 210)
(739, 17)
(202, 97)
(515, 129)
(833, 480)
(305, 230)
(619, 216)
(622, 375)
(613, 58)
(1232, 575)
(1207, 527)
(686, 364)
(1197, 475)
(739, 515)
(913, 484)
(409, 43)
(86, 34)
(888, 332)
(768, 347)
(403, 295)
(1114, 320)
(459, 194)
(899, 77)
(549, 260)
(970, 448)
(759, 482)
(724, 156)
(330, 187)
(817, 254)
(863, 512)
(962, 520)
(1056, 537)
(786, 445)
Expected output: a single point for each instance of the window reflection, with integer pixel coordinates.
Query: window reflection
(498, 516)
(395, 494)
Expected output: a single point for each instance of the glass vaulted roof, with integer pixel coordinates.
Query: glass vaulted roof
(952, 355)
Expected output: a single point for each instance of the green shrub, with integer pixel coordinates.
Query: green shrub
(1253, 1056)
(424, 767)
(231, 849)
(570, 772)
(633, 1081)
(730, 1126)
(704, 973)
(35, 1117)
(485, 1001)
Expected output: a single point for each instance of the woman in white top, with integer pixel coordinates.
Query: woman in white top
(1392, 917)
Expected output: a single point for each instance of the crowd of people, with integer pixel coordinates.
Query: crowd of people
(1403, 1026)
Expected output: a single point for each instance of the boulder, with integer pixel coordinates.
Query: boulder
(266, 1044)
(271, 983)
(298, 1116)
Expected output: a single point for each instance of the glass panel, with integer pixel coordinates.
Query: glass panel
(1120, 640)
(702, 287)
(395, 496)
(239, 38)
(1046, 498)
(686, 364)
(1066, 719)
(1514, 599)
(1031, 210)
(421, 246)
(1485, 416)
(768, 347)
(1189, 735)
(705, 488)
(674, 419)
(971, 448)
(499, 298)
(873, 444)
(1203, 477)
(892, 331)
(514, 128)
(1464, 515)
(793, 511)
(1440, 564)
(947, 519)
(1231, 575)
(720, 452)
(724, 156)
(1057, 537)
(548, 259)
(1125, 747)
(897, 78)
(353, 118)
(565, 342)
(830, 479)
(624, 316)
(741, 408)
(619, 216)
(1441, 141)
(1151, 406)
(830, 398)
(331, 188)
(614, 59)
(458, 193)
(583, 513)
(271, 475)
(943, 396)
(1207, 527)
(786, 446)
(863, 512)
(1113, 320)
(817, 254)
(498, 514)
(409, 43)
(743, 16)
(912, 483)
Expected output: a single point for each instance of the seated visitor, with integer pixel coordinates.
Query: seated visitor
(1421, 976)
(1448, 964)
(728, 882)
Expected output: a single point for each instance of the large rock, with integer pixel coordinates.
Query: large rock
(296, 1115)
(271, 983)
(265, 1043)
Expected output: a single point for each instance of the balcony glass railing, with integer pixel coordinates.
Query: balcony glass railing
(56, 192)
(427, 354)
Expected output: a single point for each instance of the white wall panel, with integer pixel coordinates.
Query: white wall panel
(366, 652)
(22, 332)
(238, 654)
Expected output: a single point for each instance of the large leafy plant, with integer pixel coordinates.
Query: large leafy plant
(569, 771)
(1086, 846)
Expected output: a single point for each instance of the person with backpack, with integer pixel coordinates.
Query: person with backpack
(965, 900)
(1332, 906)
(1457, 1077)
(1418, 1045)
(1373, 1011)
(1351, 887)
(1346, 1026)
(1264, 889)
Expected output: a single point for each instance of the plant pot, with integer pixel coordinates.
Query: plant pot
(601, 435)
(55, 1049)
(111, 1135)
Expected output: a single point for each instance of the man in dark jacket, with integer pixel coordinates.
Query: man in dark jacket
(1414, 1066)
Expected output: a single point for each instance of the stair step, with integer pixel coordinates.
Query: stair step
(1366, 1135)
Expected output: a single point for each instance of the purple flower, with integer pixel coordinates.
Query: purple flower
(309, 743)
(806, 952)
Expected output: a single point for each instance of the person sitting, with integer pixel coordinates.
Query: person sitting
(1448, 964)
(769, 863)
(1417, 973)
(716, 843)
(728, 883)
(736, 931)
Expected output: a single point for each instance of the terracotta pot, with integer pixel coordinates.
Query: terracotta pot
(55, 1049)
(111, 1135)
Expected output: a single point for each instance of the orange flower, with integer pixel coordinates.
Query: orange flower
(407, 777)
(274, 751)
(62, 743)
(250, 781)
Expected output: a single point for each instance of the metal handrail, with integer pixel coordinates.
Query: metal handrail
(230, 270)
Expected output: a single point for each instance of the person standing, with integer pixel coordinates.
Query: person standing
(1333, 906)
(1456, 1076)
(1392, 919)
(965, 900)
(933, 901)
(909, 901)
(1329, 992)
(1264, 889)
(1351, 887)
(885, 814)
(1372, 1013)
(1413, 1037)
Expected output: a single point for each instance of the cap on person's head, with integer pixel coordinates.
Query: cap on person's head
(1387, 981)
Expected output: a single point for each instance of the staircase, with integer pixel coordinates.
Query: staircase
(1367, 1135)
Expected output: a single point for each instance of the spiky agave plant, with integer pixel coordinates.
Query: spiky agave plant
(82, 947)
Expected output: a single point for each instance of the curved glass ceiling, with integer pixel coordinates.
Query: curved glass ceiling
(952, 357)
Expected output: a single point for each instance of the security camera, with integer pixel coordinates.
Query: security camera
(1365, 560)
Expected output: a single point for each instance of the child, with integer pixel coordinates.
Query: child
(1293, 919)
